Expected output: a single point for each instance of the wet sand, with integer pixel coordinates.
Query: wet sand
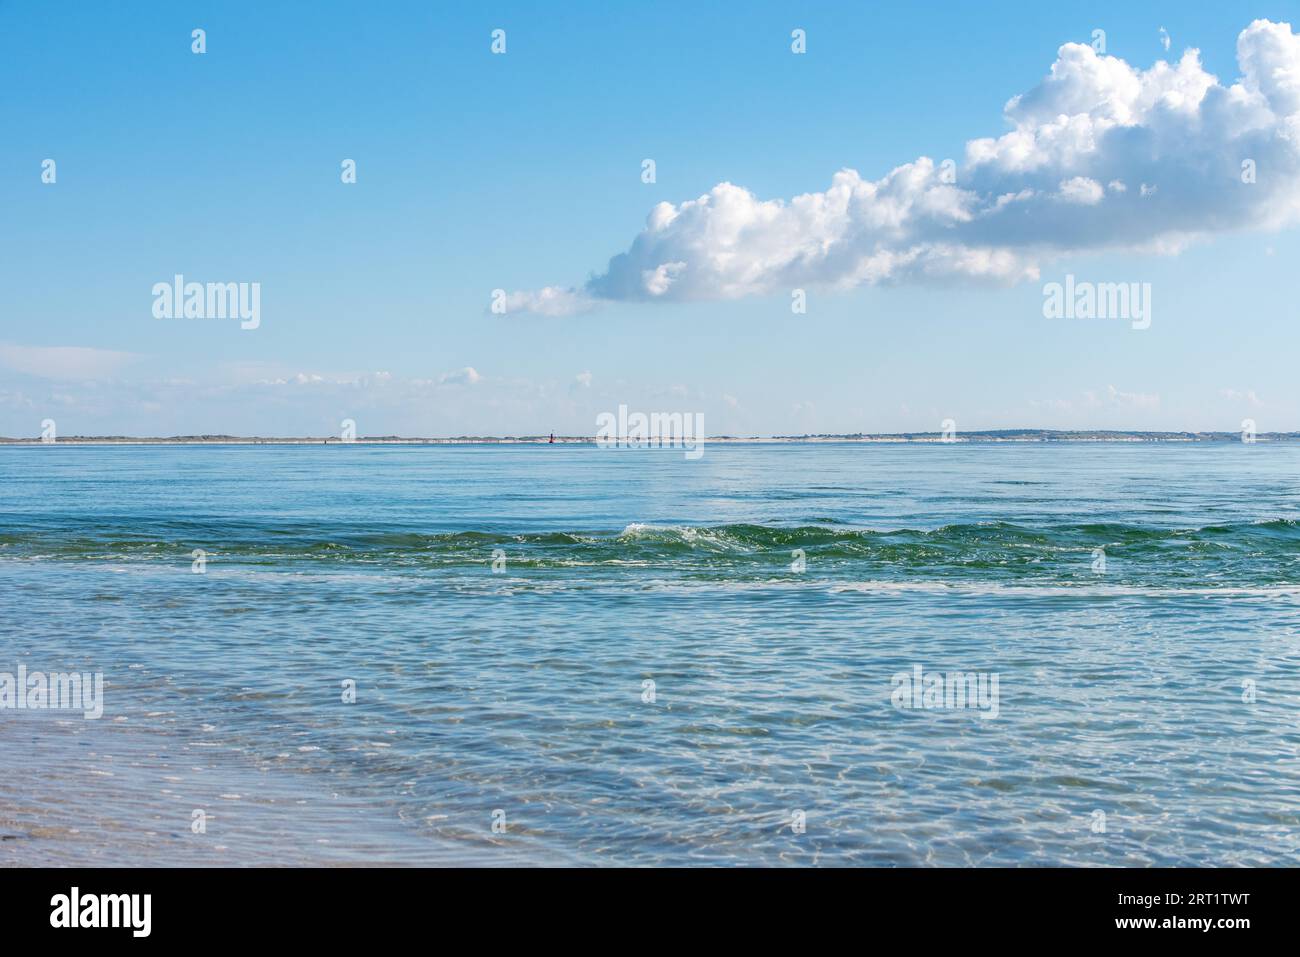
(105, 794)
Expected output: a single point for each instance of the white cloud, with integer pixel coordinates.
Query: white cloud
(1081, 190)
(550, 301)
(1174, 130)
(1089, 401)
(466, 376)
(1248, 396)
(239, 375)
(1132, 400)
(64, 362)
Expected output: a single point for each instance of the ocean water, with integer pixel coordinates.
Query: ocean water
(668, 661)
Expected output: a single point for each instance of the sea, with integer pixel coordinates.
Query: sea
(803, 654)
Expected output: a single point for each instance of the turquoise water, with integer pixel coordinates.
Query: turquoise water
(1161, 690)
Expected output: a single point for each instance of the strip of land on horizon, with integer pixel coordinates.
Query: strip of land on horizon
(984, 436)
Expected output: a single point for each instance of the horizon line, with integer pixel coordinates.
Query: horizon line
(974, 435)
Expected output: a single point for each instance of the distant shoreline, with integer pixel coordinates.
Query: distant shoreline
(984, 437)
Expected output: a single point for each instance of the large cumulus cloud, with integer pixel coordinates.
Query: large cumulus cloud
(1100, 155)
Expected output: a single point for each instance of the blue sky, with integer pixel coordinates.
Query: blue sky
(521, 171)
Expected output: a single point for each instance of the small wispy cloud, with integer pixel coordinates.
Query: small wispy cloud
(64, 362)
(1248, 396)
(1093, 400)
(1131, 400)
(551, 301)
(466, 376)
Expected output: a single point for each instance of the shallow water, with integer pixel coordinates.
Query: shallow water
(1125, 686)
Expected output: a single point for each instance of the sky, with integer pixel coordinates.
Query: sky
(517, 181)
